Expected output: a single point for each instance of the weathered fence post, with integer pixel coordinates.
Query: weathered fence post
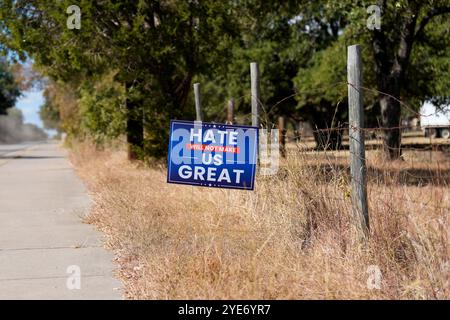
(230, 111)
(282, 136)
(198, 102)
(254, 75)
(356, 139)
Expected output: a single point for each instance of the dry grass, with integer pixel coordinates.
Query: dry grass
(290, 239)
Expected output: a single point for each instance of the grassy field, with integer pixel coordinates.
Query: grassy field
(292, 238)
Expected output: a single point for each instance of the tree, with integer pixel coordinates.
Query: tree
(406, 60)
(49, 113)
(9, 88)
(322, 98)
(156, 49)
(393, 51)
(288, 40)
(102, 104)
(270, 34)
(155, 46)
(413, 37)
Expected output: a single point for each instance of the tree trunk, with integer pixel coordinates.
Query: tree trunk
(390, 118)
(390, 68)
(135, 127)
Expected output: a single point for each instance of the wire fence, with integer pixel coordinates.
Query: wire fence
(267, 111)
(378, 178)
(382, 178)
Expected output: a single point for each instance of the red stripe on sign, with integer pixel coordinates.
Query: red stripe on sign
(207, 147)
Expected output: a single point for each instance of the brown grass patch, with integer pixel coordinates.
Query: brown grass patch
(289, 239)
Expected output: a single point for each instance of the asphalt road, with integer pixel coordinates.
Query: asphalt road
(5, 149)
(46, 251)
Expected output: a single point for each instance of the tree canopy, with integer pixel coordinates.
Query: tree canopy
(9, 88)
(130, 66)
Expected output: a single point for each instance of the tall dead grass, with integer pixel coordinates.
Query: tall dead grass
(289, 239)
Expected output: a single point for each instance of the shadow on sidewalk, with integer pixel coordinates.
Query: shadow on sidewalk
(31, 157)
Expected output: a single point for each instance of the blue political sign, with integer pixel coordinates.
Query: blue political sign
(212, 155)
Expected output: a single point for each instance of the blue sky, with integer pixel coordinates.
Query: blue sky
(29, 103)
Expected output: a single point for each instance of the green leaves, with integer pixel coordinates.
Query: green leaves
(158, 48)
(9, 89)
(102, 105)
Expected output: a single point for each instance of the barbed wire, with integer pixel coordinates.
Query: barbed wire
(271, 109)
(380, 192)
(346, 199)
(343, 127)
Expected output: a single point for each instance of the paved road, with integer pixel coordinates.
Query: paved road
(44, 246)
(5, 149)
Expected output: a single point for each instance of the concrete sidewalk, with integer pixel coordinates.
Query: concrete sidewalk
(43, 243)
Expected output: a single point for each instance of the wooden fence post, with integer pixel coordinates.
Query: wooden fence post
(254, 75)
(230, 111)
(198, 102)
(282, 136)
(356, 139)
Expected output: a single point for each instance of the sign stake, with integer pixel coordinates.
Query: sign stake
(198, 102)
(282, 136)
(230, 111)
(254, 75)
